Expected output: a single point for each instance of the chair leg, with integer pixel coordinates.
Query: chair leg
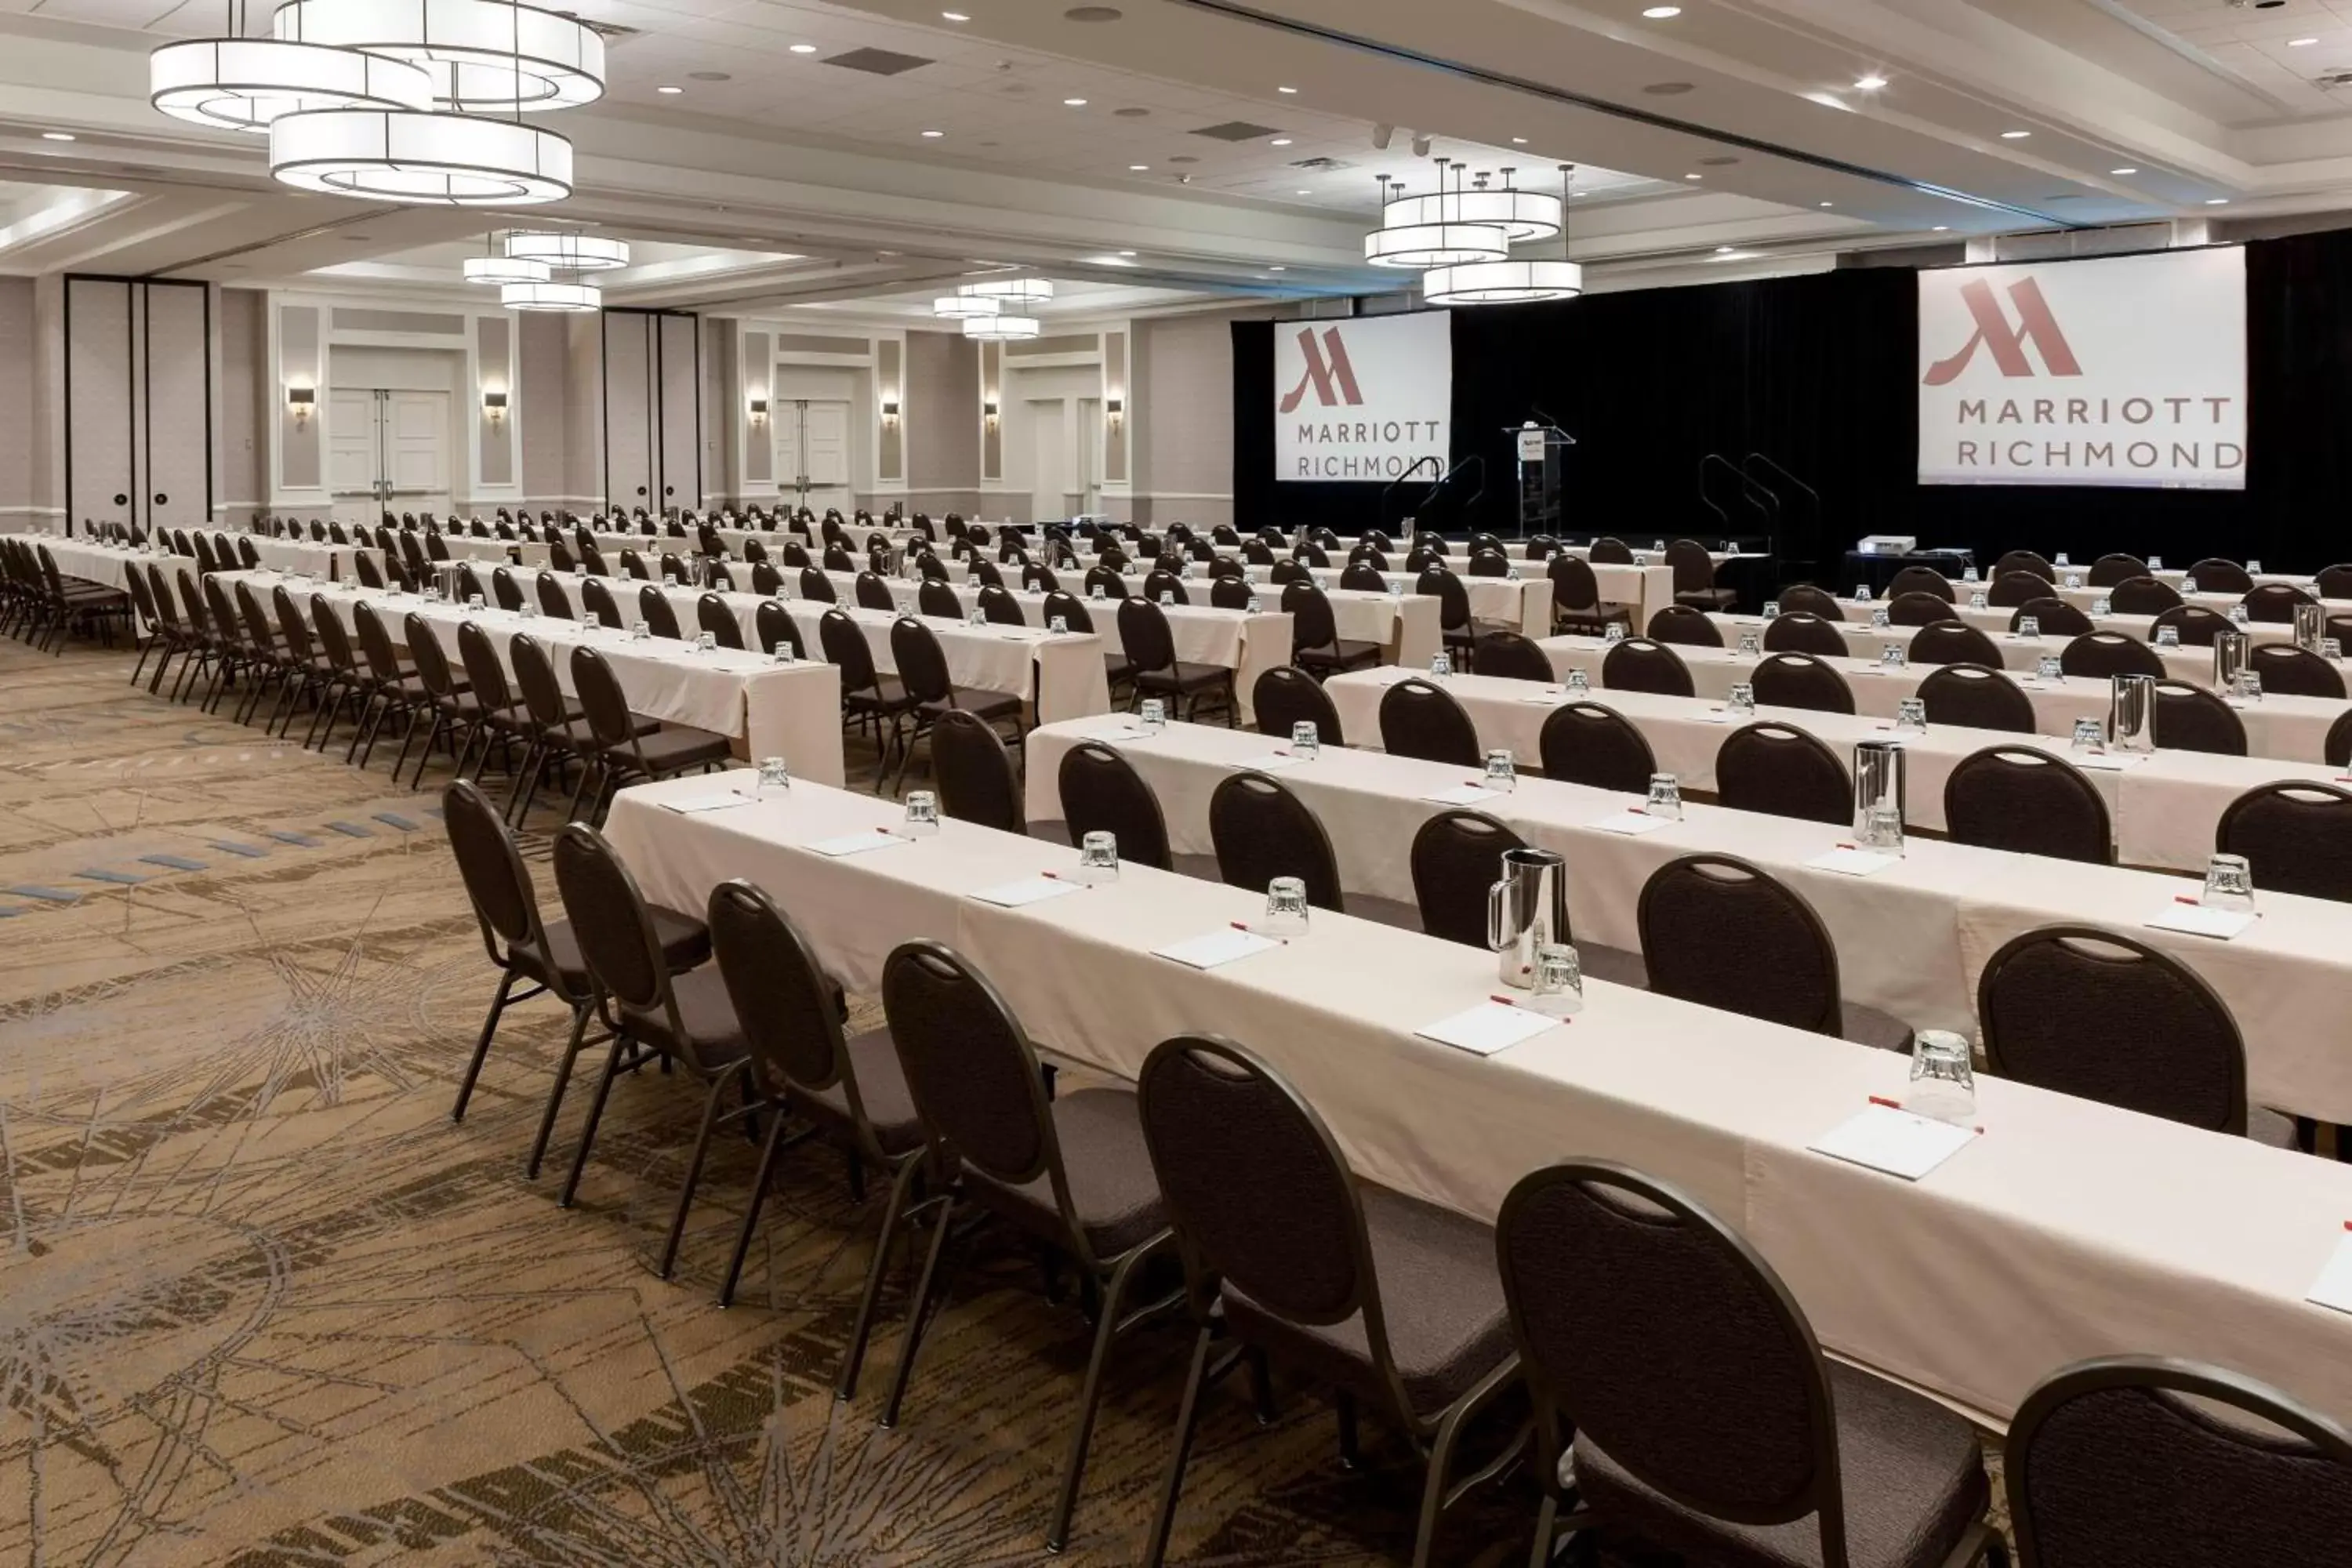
(852, 1356)
(1188, 1416)
(916, 1313)
(595, 1114)
(1074, 1468)
(1433, 1491)
(482, 1046)
(694, 1166)
(555, 1093)
(1546, 1524)
(768, 1149)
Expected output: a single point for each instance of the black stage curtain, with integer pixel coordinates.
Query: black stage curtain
(1817, 374)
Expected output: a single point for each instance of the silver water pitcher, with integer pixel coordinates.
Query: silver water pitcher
(1878, 797)
(2131, 713)
(2310, 623)
(1526, 911)
(2228, 658)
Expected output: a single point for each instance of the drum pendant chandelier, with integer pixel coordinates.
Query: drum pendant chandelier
(987, 308)
(391, 99)
(1509, 281)
(1429, 231)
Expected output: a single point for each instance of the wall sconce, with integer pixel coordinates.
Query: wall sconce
(301, 402)
(494, 408)
(1116, 407)
(989, 408)
(890, 411)
(759, 410)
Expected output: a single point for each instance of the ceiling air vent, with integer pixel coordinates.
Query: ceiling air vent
(2333, 79)
(877, 62)
(1322, 165)
(1235, 131)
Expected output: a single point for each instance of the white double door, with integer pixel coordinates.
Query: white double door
(813, 451)
(387, 451)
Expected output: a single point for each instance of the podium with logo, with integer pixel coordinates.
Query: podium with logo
(1539, 447)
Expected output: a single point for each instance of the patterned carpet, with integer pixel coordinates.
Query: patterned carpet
(262, 1304)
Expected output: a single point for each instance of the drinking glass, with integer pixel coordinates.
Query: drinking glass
(2049, 667)
(2331, 648)
(2247, 686)
(2028, 626)
(2188, 587)
(1750, 645)
(2060, 559)
(1559, 988)
(2167, 636)
(1396, 584)
(2074, 579)
(782, 653)
(1058, 625)
(1167, 598)
(1879, 617)
(2156, 562)
(2253, 567)
(1890, 656)
(1098, 859)
(1441, 665)
(1742, 700)
(1862, 594)
(1304, 740)
(1943, 1078)
(2089, 737)
(640, 632)
(1578, 681)
(1771, 609)
(1977, 602)
(1096, 593)
(2103, 606)
(1882, 830)
(1911, 716)
(1255, 605)
(707, 643)
(2229, 884)
(1666, 798)
(2238, 615)
(922, 813)
(1969, 574)
(1154, 715)
(775, 778)
(1614, 632)
(1659, 544)
(975, 617)
(1502, 771)
(1286, 909)
(1641, 558)
(473, 603)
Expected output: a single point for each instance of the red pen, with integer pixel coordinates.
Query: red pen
(1242, 927)
(1845, 846)
(1506, 1001)
(2185, 898)
(1890, 1104)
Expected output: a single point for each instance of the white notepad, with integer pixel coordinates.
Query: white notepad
(690, 805)
(1217, 947)
(2196, 920)
(1268, 762)
(1895, 1141)
(2107, 761)
(1547, 698)
(858, 842)
(1488, 1027)
(1461, 795)
(2333, 1286)
(1631, 824)
(1854, 862)
(1027, 890)
(1126, 732)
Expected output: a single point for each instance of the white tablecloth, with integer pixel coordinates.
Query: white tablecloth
(1409, 626)
(332, 561)
(1523, 603)
(2069, 1230)
(792, 711)
(1911, 940)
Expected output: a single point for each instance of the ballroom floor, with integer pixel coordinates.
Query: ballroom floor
(262, 1303)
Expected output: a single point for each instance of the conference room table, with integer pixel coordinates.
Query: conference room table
(319, 560)
(1409, 626)
(1522, 603)
(2164, 806)
(2288, 728)
(1912, 938)
(2118, 1232)
(1064, 676)
(789, 710)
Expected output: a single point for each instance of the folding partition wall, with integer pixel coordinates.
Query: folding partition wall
(653, 409)
(139, 409)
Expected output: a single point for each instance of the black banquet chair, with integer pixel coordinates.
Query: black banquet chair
(1782, 771)
(1802, 631)
(1800, 680)
(974, 771)
(2101, 655)
(2026, 800)
(1419, 719)
(2100, 1014)
(1286, 695)
(2192, 718)
(1456, 858)
(1638, 664)
(1664, 1352)
(1724, 933)
(1510, 656)
(2290, 672)
(1391, 1302)
(1951, 642)
(1102, 793)
(1263, 831)
(2147, 1459)
(1977, 696)
(1590, 744)
(1683, 624)
(2296, 837)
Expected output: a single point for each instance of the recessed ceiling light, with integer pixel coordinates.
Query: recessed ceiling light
(955, 16)
(1281, 141)
(1306, 193)
(2217, 201)
(1662, 13)
(1723, 249)
(1519, 141)
(2015, 135)
(804, 48)
(1287, 90)
(934, 135)
(57, 135)
(1694, 177)
(1126, 253)
(1277, 269)
(1943, 228)
(1073, 103)
(1829, 204)
(2122, 170)
(1138, 168)
(2301, 43)
(1869, 84)
(669, 89)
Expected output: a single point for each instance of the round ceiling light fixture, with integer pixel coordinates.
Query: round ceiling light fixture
(574, 298)
(1435, 245)
(1002, 329)
(490, 57)
(243, 84)
(1510, 281)
(965, 307)
(1026, 290)
(568, 252)
(1520, 214)
(423, 158)
(505, 269)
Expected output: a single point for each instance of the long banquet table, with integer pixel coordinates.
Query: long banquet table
(2099, 1231)
(1911, 939)
(792, 711)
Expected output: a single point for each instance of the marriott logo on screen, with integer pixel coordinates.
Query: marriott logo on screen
(1363, 400)
(1328, 372)
(2130, 425)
